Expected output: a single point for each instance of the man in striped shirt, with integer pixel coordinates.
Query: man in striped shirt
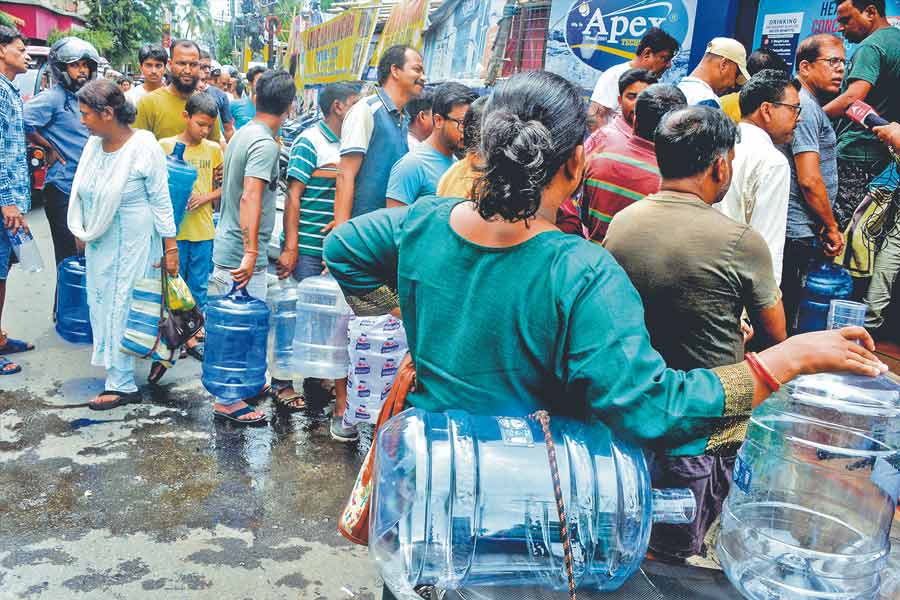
(312, 173)
(624, 172)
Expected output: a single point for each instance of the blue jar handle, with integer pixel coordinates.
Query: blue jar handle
(234, 291)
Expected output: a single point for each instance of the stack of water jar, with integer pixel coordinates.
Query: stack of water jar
(826, 283)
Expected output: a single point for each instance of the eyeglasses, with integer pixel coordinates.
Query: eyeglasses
(834, 62)
(798, 108)
(459, 122)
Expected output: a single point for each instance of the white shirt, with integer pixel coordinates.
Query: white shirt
(698, 91)
(760, 189)
(136, 93)
(412, 141)
(606, 92)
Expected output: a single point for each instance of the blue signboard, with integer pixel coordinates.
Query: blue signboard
(781, 24)
(587, 37)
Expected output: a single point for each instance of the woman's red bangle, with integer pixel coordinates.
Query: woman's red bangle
(757, 366)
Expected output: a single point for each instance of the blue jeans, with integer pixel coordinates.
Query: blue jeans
(195, 263)
(307, 266)
(6, 253)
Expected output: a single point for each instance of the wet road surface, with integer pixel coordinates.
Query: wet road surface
(159, 500)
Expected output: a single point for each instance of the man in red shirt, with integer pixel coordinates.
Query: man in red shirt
(624, 172)
(621, 128)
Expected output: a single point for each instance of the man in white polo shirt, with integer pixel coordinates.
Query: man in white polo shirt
(722, 68)
(654, 53)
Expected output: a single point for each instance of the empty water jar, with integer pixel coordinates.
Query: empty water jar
(320, 339)
(234, 361)
(815, 489)
(463, 500)
(182, 176)
(282, 300)
(826, 283)
(73, 319)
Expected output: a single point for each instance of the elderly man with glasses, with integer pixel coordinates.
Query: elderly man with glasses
(812, 230)
(760, 186)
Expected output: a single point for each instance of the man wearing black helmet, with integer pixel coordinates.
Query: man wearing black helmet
(52, 120)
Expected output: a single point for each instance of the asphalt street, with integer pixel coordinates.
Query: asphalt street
(159, 500)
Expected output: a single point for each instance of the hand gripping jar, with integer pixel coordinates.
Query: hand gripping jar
(815, 489)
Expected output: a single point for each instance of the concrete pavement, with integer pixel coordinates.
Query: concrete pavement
(158, 500)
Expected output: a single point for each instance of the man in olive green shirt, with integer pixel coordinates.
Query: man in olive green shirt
(696, 271)
(873, 76)
(161, 111)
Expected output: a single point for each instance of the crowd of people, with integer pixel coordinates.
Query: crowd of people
(613, 260)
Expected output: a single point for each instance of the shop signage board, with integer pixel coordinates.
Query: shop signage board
(337, 49)
(404, 26)
(587, 37)
(782, 24)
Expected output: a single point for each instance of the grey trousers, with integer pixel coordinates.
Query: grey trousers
(884, 275)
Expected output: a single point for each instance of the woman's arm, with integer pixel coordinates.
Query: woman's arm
(629, 387)
(362, 254)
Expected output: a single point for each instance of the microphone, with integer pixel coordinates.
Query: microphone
(862, 114)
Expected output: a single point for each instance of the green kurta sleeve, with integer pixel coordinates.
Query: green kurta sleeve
(362, 255)
(627, 383)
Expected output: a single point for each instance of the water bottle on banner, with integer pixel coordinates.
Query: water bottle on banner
(26, 250)
(461, 500)
(377, 345)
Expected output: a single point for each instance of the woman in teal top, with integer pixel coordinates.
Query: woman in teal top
(505, 314)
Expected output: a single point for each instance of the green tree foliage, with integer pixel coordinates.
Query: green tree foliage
(101, 40)
(193, 20)
(129, 23)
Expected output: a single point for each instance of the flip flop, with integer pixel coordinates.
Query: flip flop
(4, 371)
(287, 402)
(13, 346)
(122, 398)
(235, 416)
(195, 351)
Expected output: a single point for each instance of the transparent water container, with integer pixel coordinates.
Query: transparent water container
(815, 490)
(26, 250)
(73, 319)
(463, 501)
(182, 176)
(282, 301)
(320, 338)
(826, 283)
(234, 358)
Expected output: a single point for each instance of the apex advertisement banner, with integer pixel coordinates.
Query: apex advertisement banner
(587, 37)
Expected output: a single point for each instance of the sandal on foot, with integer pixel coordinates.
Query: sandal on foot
(121, 398)
(292, 401)
(13, 346)
(4, 364)
(195, 351)
(157, 370)
(236, 416)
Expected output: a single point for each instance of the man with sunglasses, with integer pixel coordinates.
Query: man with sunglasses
(758, 196)
(812, 230)
(417, 174)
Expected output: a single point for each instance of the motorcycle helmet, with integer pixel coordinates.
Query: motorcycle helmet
(67, 51)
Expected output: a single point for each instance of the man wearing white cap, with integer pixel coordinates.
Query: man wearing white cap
(723, 67)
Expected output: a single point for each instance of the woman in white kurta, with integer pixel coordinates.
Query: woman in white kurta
(119, 209)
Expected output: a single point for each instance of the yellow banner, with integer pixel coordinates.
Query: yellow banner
(293, 58)
(404, 26)
(337, 50)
